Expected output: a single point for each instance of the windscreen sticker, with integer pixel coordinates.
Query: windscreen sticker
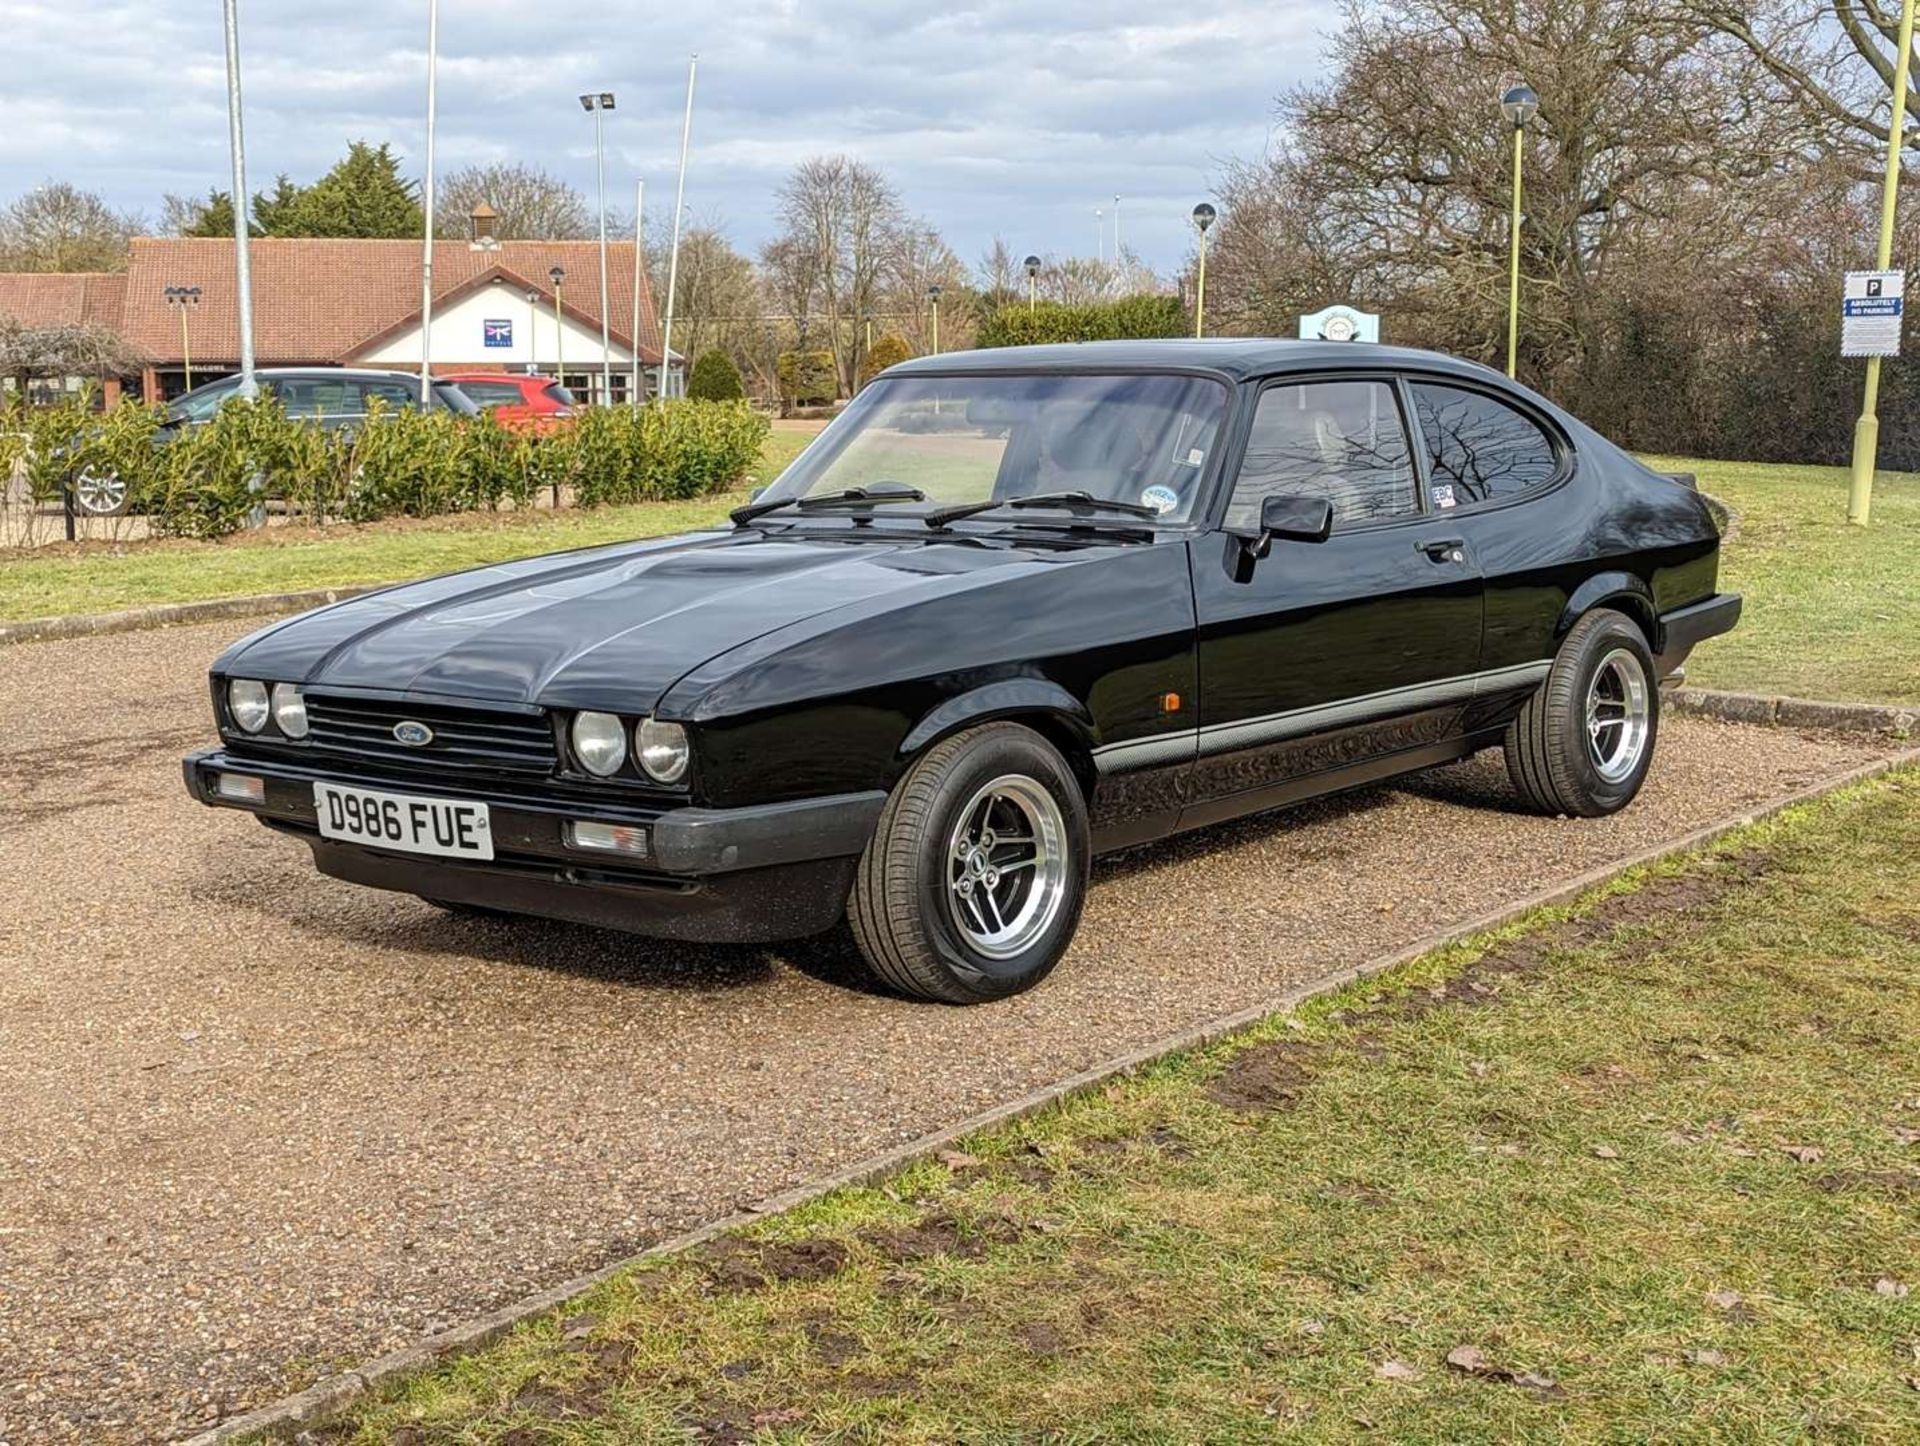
(1196, 457)
(1443, 494)
(1160, 498)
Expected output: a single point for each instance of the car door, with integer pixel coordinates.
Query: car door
(1349, 656)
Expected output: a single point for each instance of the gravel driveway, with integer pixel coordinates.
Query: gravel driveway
(258, 1125)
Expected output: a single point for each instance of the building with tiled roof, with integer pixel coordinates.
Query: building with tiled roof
(339, 302)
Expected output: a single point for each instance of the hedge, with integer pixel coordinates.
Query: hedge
(203, 481)
(1053, 321)
(715, 378)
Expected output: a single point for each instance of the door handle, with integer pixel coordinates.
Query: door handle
(1444, 549)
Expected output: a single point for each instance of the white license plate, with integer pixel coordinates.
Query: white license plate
(451, 828)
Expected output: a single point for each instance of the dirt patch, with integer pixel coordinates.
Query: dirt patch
(936, 1235)
(735, 1264)
(831, 1347)
(1266, 1077)
(1041, 1338)
(1903, 1183)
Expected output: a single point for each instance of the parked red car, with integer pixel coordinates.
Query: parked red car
(521, 403)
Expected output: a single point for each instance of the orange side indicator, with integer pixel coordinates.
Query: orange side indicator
(1169, 702)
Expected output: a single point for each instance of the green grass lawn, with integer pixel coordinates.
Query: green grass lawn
(97, 577)
(1641, 1168)
(1832, 611)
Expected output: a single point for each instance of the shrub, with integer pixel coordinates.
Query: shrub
(1053, 321)
(807, 378)
(210, 477)
(889, 351)
(715, 379)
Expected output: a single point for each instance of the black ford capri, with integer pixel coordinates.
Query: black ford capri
(1012, 609)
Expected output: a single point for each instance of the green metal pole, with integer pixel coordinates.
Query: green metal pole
(1866, 431)
(1200, 290)
(1513, 264)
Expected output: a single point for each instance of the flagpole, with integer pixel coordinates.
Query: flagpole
(679, 203)
(633, 337)
(426, 245)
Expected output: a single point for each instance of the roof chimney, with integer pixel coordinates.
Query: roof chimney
(484, 219)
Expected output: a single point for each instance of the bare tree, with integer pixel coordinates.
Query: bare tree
(840, 219)
(1393, 188)
(59, 227)
(533, 204)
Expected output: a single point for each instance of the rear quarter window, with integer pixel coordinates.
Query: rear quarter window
(1478, 447)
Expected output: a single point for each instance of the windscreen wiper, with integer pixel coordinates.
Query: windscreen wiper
(1071, 501)
(851, 497)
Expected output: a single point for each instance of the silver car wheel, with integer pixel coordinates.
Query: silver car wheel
(1618, 710)
(1007, 866)
(100, 492)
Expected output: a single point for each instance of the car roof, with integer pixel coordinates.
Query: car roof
(1238, 357)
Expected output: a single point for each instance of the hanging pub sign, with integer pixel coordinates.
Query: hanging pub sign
(498, 333)
(1340, 323)
(1871, 313)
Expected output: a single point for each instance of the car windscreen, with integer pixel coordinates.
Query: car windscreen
(1139, 438)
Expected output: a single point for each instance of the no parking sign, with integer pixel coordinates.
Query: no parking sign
(1871, 313)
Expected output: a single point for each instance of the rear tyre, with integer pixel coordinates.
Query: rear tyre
(972, 885)
(1584, 741)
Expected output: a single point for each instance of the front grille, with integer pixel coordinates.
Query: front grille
(465, 738)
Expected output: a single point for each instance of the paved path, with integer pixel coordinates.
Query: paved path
(258, 1125)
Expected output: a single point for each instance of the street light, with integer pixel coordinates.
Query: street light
(1033, 280)
(933, 295)
(533, 332)
(242, 263)
(186, 298)
(1203, 215)
(1518, 106)
(600, 102)
(557, 275)
(1866, 431)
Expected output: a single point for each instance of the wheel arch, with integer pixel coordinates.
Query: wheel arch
(1045, 707)
(1621, 591)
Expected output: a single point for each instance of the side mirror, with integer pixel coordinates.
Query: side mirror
(1296, 519)
(755, 495)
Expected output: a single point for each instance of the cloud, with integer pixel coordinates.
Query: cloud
(1000, 118)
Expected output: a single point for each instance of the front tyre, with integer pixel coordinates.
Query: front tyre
(1584, 741)
(972, 885)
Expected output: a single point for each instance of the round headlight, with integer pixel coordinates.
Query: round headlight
(247, 701)
(599, 742)
(290, 710)
(663, 750)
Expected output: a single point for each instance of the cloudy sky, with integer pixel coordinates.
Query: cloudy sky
(1017, 119)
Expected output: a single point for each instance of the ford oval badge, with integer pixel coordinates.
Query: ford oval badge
(414, 735)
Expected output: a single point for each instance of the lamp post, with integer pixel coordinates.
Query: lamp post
(600, 102)
(1518, 106)
(1100, 235)
(186, 298)
(533, 332)
(557, 275)
(1866, 431)
(1033, 281)
(1116, 230)
(933, 295)
(1203, 215)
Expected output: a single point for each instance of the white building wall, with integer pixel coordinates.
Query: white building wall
(459, 337)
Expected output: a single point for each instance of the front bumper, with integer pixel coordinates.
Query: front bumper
(742, 875)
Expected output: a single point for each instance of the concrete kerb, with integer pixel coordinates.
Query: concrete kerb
(1794, 712)
(86, 625)
(283, 1417)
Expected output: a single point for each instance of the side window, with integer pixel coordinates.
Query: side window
(315, 397)
(205, 402)
(394, 396)
(1478, 446)
(1343, 441)
(492, 394)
